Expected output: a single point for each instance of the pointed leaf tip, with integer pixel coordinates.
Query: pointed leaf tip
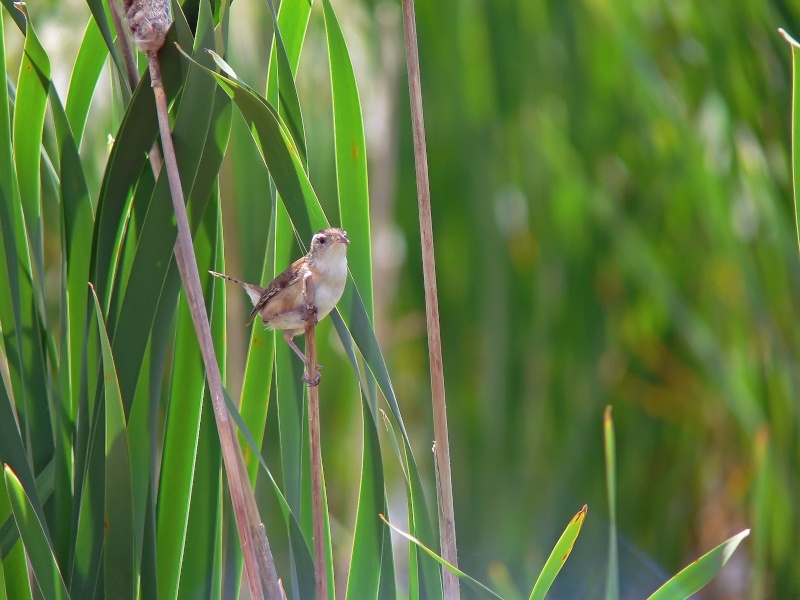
(788, 38)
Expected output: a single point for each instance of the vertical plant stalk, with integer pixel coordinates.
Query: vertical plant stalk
(317, 507)
(612, 576)
(447, 524)
(187, 265)
(795, 126)
(129, 59)
(149, 23)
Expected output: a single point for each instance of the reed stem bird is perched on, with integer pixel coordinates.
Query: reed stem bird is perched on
(309, 288)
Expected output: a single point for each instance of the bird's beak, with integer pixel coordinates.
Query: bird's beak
(344, 239)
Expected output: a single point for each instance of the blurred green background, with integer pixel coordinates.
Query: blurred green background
(613, 221)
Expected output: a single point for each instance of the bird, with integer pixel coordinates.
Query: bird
(309, 288)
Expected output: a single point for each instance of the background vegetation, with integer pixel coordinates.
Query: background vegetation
(611, 195)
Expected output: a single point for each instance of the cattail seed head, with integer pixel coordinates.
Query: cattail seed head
(149, 21)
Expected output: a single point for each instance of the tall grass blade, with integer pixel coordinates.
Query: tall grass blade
(612, 574)
(202, 530)
(120, 571)
(351, 157)
(795, 125)
(34, 535)
(30, 370)
(473, 583)
(287, 92)
(127, 161)
(77, 223)
(85, 75)
(558, 556)
(694, 577)
(366, 559)
(29, 113)
(100, 14)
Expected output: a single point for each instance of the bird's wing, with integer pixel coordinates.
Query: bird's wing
(279, 284)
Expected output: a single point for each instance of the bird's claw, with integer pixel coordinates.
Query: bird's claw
(312, 381)
(309, 311)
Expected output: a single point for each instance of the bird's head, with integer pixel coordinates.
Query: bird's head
(329, 245)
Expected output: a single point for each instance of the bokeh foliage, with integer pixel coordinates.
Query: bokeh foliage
(613, 208)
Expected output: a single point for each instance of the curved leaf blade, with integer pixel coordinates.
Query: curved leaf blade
(351, 156)
(119, 550)
(558, 556)
(364, 578)
(697, 575)
(612, 574)
(472, 582)
(33, 534)
(88, 66)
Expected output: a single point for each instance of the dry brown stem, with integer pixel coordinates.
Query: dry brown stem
(447, 526)
(317, 506)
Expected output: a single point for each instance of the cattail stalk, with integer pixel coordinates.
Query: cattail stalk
(447, 525)
(149, 22)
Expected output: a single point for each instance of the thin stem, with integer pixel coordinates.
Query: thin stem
(249, 523)
(128, 56)
(187, 265)
(447, 527)
(133, 74)
(317, 507)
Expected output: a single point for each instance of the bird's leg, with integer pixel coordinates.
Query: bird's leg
(288, 337)
(310, 312)
(306, 378)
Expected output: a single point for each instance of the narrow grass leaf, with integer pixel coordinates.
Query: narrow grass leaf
(29, 113)
(292, 21)
(32, 531)
(795, 125)
(9, 203)
(612, 574)
(197, 571)
(137, 304)
(85, 75)
(180, 452)
(279, 153)
(128, 159)
(558, 556)
(16, 574)
(120, 570)
(3, 595)
(287, 92)
(697, 575)
(476, 585)
(293, 16)
(24, 334)
(351, 157)
(16, 14)
(77, 224)
(12, 454)
(364, 578)
(8, 528)
(89, 518)
(303, 562)
(100, 14)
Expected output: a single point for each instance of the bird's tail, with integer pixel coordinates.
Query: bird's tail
(253, 291)
(229, 278)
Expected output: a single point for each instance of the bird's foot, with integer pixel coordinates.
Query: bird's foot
(309, 311)
(312, 381)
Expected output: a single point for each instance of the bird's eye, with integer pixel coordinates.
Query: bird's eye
(322, 240)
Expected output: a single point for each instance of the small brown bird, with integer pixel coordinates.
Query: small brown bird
(309, 288)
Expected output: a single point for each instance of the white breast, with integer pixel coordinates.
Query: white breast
(329, 281)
